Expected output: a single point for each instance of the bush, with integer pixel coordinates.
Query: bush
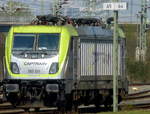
(138, 71)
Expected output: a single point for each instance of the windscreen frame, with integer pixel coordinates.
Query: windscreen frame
(36, 41)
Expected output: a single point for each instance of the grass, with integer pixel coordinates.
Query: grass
(128, 112)
(131, 35)
(131, 40)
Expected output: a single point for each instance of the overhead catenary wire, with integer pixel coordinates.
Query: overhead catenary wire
(141, 48)
(35, 6)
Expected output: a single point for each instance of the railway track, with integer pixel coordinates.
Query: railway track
(140, 106)
(140, 99)
(7, 108)
(139, 95)
(135, 100)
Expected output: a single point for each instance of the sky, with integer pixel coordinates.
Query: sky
(39, 7)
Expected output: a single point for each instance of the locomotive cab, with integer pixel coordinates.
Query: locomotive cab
(35, 60)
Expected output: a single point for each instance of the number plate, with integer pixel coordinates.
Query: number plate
(34, 71)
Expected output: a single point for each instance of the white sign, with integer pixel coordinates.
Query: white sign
(115, 6)
(90, 9)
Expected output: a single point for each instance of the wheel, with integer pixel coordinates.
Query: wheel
(1, 101)
(61, 106)
(119, 99)
(13, 99)
(98, 100)
(69, 102)
(37, 109)
(26, 109)
(108, 102)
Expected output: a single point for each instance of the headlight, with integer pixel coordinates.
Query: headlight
(14, 68)
(12, 87)
(53, 68)
(52, 88)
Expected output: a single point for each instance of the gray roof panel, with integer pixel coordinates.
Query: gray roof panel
(96, 31)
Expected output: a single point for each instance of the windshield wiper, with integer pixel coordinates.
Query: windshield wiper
(24, 51)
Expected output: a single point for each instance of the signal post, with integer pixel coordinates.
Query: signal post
(115, 6)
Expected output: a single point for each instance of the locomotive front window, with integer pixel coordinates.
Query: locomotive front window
(40, 41)
(48, 42)
(23, 41)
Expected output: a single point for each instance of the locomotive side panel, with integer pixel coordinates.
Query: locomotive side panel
(93, 64)
(2, 40)
(96, 65)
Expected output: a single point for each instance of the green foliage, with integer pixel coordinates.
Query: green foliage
(13, 5)
(16, 12)
(131, 36)
(138, 71)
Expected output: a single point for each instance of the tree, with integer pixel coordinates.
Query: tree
(15, 11)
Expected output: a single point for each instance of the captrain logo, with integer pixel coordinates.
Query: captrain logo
(34, 63)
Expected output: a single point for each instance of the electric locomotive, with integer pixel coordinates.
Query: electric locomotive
(36, 66)
(62, 66)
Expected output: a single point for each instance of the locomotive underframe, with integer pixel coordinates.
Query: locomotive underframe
(34, 93)
(99, 92)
